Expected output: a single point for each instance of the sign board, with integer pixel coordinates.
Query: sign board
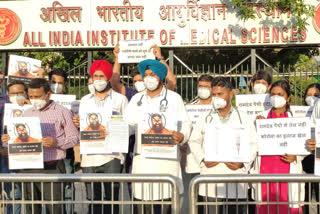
(79, 24)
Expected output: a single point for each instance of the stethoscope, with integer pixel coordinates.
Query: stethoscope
(213, 110)
(163, 102)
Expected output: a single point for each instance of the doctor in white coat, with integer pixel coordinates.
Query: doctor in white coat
(156, 99)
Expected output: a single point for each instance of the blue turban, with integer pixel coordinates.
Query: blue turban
(155, 66)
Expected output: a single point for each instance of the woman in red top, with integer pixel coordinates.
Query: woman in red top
(277, 164)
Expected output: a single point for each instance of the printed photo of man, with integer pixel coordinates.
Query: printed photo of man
(23, 70)
(157, 126)
(94, 123)
(17, 113)
(23, 136)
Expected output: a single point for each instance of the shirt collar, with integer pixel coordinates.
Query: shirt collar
(161, 94)
(105, 97)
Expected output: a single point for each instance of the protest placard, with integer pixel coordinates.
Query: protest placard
(75, 105)
(13, 111)
(22, 68)
(134, 51)
(155, 135)
(231, 147)
(24, 147)
(317, 151)
(283, 136)
(194, 111)
(301, 111)
(118, 135)
(65, 100)
(253, 104)
(93, 121)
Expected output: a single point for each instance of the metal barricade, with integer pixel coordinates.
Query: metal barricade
(213, 186)
(30, 200)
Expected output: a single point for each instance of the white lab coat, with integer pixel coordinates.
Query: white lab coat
(196, 144)
(295, 168)
(143, 165)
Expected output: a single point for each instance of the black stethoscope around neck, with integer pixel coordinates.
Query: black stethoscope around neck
(209, 117)
(163, 102)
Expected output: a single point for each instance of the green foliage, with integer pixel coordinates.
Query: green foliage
(299, 10)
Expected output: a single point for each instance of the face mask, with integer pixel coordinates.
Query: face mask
(16, 98)
(219, 103)
(91, 89)
(311, 100)
(56, 88)
(100, 85)
(140, 86)
(38, 104)
(277, 101)
(151, 83)
(259, 88)
(203, 93)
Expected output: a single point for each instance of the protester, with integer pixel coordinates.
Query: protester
(58, 133)
(261, 82)
(104, 98)
(137, 78)
(222, 113)
(156, 99)
(279, 164)
(311, 97)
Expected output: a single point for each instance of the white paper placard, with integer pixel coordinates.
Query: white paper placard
(75, 105)
(22, 68)
(155, 135)
(301, 111)
(283, 136)
(253, 104)
(317, 151)
(231, 147)
(195, 111)
(65, 100)
(24, 147)
(118, 135)
(134, 51)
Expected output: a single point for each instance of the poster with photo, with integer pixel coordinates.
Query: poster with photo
(13, 111)
(65, 100)
(24, 147)
(22, 68)
(155, 135)
(231, 147)
(93, 123)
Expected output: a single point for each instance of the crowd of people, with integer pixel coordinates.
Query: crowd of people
(154, 82)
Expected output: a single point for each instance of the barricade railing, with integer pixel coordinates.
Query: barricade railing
(229, 194)
(47, 192)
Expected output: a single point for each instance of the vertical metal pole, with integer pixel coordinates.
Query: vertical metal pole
(253, 61)
(90, 59)
(171, 64)
(4, 70)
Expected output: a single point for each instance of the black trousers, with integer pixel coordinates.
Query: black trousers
(48, 190)
(314, 187)
(95, 189)
(221, 209)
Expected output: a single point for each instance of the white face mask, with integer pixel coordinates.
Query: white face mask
(56, 88)
(38, 104)
(259, 88)
(311, 100)
(139, 85)
(100, 85)
(277, 101)
(16, 98)
(91, 89)
(204, 93)
(219, 103)
(151, 83)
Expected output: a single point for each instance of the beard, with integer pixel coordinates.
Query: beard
(157, 128)
(94, 126)
(23, 71)
(23, 137)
